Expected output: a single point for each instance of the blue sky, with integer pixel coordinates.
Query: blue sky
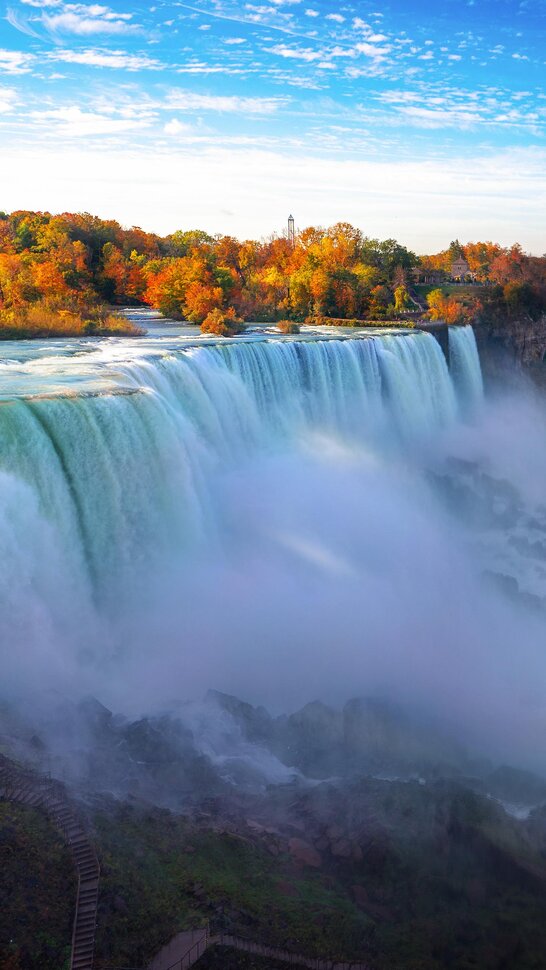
(420, 120)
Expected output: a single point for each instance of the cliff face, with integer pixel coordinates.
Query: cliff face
(505, 342)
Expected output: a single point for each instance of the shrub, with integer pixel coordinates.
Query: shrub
(288, 326)
(223, 323)
(38, 320)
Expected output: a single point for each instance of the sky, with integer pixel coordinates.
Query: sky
(413, 119)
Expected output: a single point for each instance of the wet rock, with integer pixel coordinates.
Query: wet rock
(255, 722)
(286, 888)
(304, 853)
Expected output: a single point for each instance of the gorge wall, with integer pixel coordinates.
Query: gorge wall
(503, 344)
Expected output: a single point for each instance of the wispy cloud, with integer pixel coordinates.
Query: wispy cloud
(72, 121)
(83, 20)
(8, 100)
(117, 59)
(16, 62)
(344, 82)
(189, 101)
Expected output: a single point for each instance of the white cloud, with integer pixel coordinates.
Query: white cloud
(15, 62)
(296, 53)
(107, 58)
(370, 50)
(83, 20)
(338, 17)
(20, 23)
(8, 100)
(189, 101)
(235, 40)
(73, 122)
(502, 196)
(175, 127)
(437, 118)
(202, 67)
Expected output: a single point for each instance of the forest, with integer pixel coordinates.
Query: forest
(65, 274)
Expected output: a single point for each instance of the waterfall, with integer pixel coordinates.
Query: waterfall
(465, 367)
(104, 489)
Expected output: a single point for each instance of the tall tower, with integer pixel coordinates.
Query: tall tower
(291, 231)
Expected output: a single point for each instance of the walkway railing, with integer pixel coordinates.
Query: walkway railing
(188, 948)
(26, 787)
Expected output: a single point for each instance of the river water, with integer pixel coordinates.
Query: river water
(285, 518)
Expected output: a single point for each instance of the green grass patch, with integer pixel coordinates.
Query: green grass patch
(161, 877)
(37, 892)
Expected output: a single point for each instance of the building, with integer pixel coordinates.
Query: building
(434, 277)
(291, 230)
(460, 270)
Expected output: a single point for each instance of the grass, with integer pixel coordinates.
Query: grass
(459, 290)
(39, 322)
(448, 882)
(159, 877)
(38, 892)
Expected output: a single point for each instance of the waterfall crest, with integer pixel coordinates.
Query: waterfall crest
(465, 367)
(116, 484)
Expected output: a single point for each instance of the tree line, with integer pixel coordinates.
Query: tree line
(77, 262)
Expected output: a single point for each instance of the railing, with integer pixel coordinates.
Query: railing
(191, 956)
(198, 942)
(197, 947)
(21, 783)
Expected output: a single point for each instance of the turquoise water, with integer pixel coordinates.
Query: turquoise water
(142, 479)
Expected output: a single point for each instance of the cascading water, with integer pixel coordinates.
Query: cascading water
(115, 456)
(123, 476)
(465, 367)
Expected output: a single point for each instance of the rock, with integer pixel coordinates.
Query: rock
(379, 735)
(304, 853)
(95, 714)
(342, 849)
(360, 896)
(255, 722)
(286, 888)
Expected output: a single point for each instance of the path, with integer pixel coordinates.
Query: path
(185, 949)
(19, 784)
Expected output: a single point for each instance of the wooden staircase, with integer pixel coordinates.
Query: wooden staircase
(19, 784)
(186, 949)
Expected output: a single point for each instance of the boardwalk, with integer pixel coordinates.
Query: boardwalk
(18, 784)
(25, 787)
(185, 949)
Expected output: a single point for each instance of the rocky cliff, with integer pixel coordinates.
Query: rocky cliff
(503, 342)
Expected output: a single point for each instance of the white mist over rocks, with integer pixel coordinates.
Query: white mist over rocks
(282, 520)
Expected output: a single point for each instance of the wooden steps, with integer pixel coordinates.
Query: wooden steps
(18, 784)
(186, 949)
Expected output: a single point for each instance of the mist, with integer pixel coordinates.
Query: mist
(345, 559)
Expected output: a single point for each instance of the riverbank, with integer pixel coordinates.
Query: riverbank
(40, 323)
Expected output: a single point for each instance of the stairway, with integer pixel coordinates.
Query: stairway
(186, 949)
(19, 784)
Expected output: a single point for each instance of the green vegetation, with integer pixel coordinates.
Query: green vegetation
(457, 290)
(443, 881)
(226, 958)
(38, 892)
(160, 876)
(431, 877)
(77, 263)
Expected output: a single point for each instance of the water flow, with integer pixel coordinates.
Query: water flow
(465, 367)
(106, 493)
